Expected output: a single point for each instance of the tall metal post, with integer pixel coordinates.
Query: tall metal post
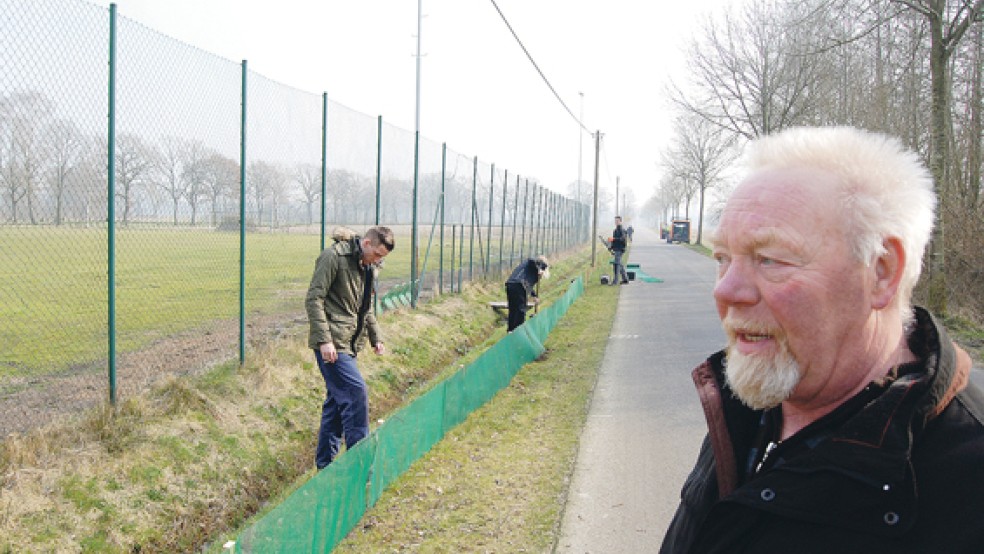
(379, 163)
(461, 256)
(414, 277)
(111, 208)
(242, 222)
(617, 179)
(537, 221)
(512, 248)
(414, 286)
(440, 273)
(474, 211)
(324, 165)
(488, 240)
(522, 234)
(502, 220)
(594, 223)
(454, 238)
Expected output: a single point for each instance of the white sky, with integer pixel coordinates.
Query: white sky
(479, 92)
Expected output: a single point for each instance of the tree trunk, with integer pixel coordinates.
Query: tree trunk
(938, 156)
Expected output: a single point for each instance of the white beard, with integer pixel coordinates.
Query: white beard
(762, 382)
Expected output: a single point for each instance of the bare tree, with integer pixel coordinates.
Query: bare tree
(134, 164)
(308, 176)
(168, 169)
(194, 174)
(261, 177)
(699, 154)
(267, 184)
(23, 154)
(219, 179)
(67, 148)
(669, 195)
(580, 191)
(948, 22)
(752, 72)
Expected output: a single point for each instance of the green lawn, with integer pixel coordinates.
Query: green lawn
(53, 288)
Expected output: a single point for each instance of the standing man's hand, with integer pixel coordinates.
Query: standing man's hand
(328, 352)
(379, 348)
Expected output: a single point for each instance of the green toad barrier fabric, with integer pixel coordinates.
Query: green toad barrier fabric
(318, 515)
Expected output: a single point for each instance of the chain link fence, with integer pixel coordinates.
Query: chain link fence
(224, 186)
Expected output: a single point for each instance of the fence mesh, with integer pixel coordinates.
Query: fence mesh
(174, 248)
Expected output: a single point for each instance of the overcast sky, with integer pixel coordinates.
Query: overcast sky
(479, 92)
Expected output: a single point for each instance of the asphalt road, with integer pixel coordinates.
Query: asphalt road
(645, 423)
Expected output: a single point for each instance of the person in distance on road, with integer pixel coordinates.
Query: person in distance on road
(841, 418)
(618, 246)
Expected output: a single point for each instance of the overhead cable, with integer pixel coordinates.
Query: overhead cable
(532, 61)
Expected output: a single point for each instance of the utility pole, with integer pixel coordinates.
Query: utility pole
(580, 148)
(580, 151)
(617, 178)
(594, 223)
(414, 288)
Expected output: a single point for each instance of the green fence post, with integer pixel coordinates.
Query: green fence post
(522, 234)
(242, 221)
(324, 163)
(111, 208)
(538, 203)
(488, 241)
(413, 219)
(379, 162)
(502, 220)
(454, 240)
(444, 165)
(512, 247)
(471, 229)
(461, 257)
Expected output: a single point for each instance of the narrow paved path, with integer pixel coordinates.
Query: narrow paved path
(645, 424)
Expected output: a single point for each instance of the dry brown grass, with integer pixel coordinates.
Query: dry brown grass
(189, 461)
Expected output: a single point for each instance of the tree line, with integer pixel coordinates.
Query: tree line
(53, 173)
(908, 68)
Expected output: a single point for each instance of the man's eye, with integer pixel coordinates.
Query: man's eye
(721, 259)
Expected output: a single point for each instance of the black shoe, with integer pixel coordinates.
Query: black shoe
(624, 282)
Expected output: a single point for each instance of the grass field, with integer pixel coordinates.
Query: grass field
(54, 292)
(189, 461)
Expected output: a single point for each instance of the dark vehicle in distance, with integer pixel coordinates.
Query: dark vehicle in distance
(679, 231)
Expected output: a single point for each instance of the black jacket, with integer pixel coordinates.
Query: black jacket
(897, 469)
(618, 239)
(526, 274)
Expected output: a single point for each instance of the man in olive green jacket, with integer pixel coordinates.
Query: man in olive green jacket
(339, 308)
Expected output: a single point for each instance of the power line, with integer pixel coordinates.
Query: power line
(532, 61)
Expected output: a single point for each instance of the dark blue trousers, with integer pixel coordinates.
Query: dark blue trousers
(345, 413)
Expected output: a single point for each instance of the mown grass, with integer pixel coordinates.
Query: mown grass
(192, 460)
(53, 287)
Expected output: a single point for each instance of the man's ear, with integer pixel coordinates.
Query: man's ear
(888, 269)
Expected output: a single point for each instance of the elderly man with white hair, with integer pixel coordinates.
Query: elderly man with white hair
(840, 417)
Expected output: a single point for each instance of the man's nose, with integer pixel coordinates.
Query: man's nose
(735, 285)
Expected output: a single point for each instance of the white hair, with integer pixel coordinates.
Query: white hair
(884, 188)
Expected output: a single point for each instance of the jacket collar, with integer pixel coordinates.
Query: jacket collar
(875, 444)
